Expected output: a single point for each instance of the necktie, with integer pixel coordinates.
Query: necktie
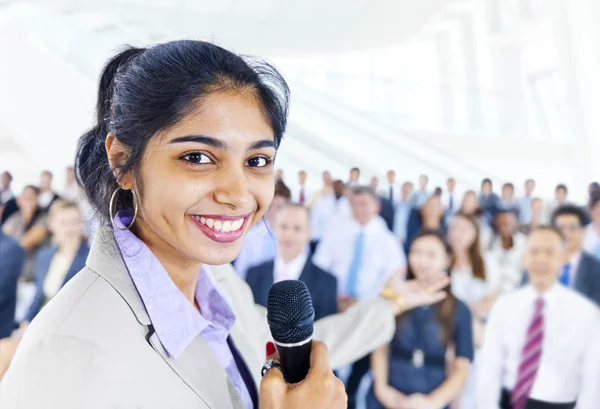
(391, 193)
(450, 203)
(352, 282)
(530, 358)
(302, 195)
(565, 276)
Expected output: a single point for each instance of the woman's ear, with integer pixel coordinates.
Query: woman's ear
(118, 153)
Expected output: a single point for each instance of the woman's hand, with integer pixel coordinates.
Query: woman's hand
(389, 397)
(321, 389)
(415, 294)
(419, 401)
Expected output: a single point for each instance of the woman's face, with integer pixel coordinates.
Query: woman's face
(206, 181)
(427, 257)
(461, 234)
(432, 209)
(469, 204)
(28, 200)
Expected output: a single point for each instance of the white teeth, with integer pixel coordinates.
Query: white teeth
(224, 227)
(227, 227)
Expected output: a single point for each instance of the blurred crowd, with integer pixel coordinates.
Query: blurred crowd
(517, 264)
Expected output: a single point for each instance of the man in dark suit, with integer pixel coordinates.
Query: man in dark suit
(292, 262)
(12, 258)
(582, 271)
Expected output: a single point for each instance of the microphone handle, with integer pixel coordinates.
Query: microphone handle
(295, 361)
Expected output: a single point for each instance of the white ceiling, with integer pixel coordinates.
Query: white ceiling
(51, 52)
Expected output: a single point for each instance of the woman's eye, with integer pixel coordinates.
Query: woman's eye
(258, 162)
(197, 158)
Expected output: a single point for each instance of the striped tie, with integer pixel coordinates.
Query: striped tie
(530, 358)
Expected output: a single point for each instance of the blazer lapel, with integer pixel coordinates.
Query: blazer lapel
(196, 366)
(307, 275)
(199, 369)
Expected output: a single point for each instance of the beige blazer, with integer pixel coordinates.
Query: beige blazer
(91, 347)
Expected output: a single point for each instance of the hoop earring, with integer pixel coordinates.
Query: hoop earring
(111, 206)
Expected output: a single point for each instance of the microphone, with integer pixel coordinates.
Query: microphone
(290, 315)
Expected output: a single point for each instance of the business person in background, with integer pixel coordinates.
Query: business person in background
(12, 258)
(55, 265)
(292, 262)
(581, 271)
(179, 165)
(541, 341)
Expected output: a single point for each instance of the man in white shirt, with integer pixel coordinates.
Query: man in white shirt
(581, 272)
(541, 342)
(391, 190)
(302, 194)
(5, 191)
(362, 254)
(591, 242)
(354, 177)
(292, 262)
(47, 195)
(71, 190)
(259, 243)
(450, 199)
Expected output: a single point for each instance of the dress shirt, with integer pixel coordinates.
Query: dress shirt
(5, 196)
(291, 270)
(71, 192)
(401, 220)
(456, 202)
(473, 290)
(45, 199)
(174, 318)
(591, 242)
(308, 193)
(381, 255)
(509, 262)
(525, 213)
(419, 198)
(326, 212)
(396, 191)
(258, 247)
(570, 364)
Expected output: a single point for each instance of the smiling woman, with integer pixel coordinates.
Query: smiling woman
(179, 166)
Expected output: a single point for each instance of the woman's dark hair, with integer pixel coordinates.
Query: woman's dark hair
(445, 310)
(143, 91)
(486, 180)
(282, 190)
(475, 257)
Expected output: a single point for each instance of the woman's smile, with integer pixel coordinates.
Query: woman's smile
(222, 229)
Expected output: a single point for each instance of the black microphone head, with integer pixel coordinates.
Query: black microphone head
(290, 312)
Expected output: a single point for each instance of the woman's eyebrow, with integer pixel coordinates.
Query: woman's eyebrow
(220, 144)
(206, 140)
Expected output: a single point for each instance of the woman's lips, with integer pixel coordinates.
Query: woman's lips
(222, 229)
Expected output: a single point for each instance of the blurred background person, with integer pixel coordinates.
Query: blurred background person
(279, 176)
(537, 216)
(507, 198)
(354, 179)
(429, 217)
(56, 264)
(525, 211)
(541, 342)
(292, 262)
(12, 258)
(259, 244)
(391, 190)
(302, 194)
(402, 212)
(333, 208)
(504, 246)
(46, 195)
(71, 190)
(488, 199)
(421, 195)
(591, 243)
(450, 199)
(6, 192)
(413, 370)
(29, 227)
(326, 189)
(581, 272)
(362, 254)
